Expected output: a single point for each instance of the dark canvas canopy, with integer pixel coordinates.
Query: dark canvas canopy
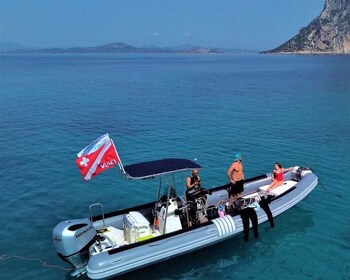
(150, 169)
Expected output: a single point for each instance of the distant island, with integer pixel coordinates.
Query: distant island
(121, 47)
(329, 33)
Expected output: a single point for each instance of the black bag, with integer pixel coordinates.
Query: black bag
(212, 213)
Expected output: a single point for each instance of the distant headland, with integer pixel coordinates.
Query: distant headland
(329, 33)
(121, 47)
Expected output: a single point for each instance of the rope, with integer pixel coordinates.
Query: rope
(44, 263)
(319, 181)
(322, 185)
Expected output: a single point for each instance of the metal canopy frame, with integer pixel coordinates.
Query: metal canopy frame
(161, 168)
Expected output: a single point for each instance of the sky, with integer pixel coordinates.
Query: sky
(246, 24)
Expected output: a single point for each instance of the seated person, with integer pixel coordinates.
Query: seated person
(277, 176)
(194, 181)
(194, 189)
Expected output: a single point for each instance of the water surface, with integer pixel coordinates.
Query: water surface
(292, 109)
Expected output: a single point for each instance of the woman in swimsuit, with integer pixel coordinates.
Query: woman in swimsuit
(277, 176)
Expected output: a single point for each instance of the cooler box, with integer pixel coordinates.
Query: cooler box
(136, 227)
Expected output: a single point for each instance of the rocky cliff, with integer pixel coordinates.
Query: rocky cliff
(328, 33)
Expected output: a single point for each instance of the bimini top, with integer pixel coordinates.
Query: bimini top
(145, 170)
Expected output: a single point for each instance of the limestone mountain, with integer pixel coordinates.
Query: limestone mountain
(328, 33)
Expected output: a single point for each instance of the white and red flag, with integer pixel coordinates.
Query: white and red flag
(94, 145)
(99, 156)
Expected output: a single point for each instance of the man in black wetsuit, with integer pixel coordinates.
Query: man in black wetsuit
(193, 181)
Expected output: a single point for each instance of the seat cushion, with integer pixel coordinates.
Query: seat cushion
(280, 189)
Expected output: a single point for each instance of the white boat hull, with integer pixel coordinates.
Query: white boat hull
(134, 256)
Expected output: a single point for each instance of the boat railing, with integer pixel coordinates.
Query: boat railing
(102, 212)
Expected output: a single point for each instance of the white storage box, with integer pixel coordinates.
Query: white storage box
(137, 227)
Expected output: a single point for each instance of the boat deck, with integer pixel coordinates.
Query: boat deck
(280, 189)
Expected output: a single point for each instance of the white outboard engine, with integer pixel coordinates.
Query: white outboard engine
(72, 240)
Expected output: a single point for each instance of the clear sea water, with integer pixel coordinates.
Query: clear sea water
(292, 109)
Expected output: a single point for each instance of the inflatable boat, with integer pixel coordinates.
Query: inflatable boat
(178, 222)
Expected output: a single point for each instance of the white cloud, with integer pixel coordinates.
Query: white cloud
(155, 34)
(187, 34)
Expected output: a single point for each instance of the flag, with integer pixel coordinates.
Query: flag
(94, 145)
(93, 161)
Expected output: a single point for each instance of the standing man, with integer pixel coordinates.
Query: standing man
(236, 176)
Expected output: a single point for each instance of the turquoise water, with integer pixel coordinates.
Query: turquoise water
(292, 109)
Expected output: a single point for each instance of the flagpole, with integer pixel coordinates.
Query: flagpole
(120, 164)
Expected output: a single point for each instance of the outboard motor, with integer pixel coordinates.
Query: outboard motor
(72, 240)
(296, 173)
